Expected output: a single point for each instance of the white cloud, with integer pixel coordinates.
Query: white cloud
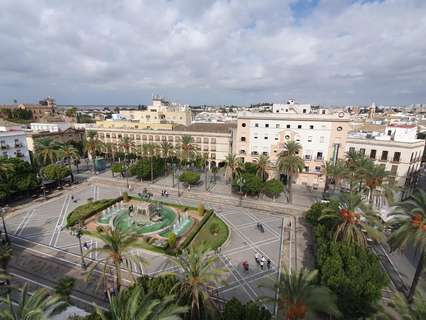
(213, 51)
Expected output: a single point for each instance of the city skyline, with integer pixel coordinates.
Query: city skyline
(214, 52)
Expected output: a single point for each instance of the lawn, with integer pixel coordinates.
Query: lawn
(212, 240)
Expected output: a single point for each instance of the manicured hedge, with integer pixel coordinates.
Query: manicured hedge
(88, 210)
(196, 229)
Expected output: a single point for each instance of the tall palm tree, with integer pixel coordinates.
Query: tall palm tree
(92, 145)
(232, 166)
(5, 168)
(336, 172)
(69, 153)
(262, 167)
(187, 148)
(353, 220)
(46, 150)
(38, 306)
(151, 151)
(299, 296)
(374, 178)
(117, 247)
(135, 304)
(357, 164)
(127, 145)
(402, 309)
(5, 257)
(290, 163)
(109, 149)
(409, 221)
(198, 277)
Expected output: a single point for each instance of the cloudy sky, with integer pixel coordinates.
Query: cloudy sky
(213, 52)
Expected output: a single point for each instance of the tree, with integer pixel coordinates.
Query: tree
(117, 248)
(135, 304)
(117, 168)
(402, 309)
(187, 148)
(199, 275)
(290, 163)
(69, 153)
(232, 164)
(374, 177)
(353, 221)
(142, 168)
(5, 257)
(64, 288)
(92, 145)
(55, 172)
(273, 188)
(127, 145)
(262, 167)
(72, 112)
(46, 150)
(299, 296)
(409, 223)
(151, 151)
(252, 184)
(189, 177)
(109, 148)
(38, 306)
(335, 172)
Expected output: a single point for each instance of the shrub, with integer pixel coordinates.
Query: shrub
(200, 209)
(252, 186)
(235, 310)
(214, 228)
(64, 287)
(171, 240)
(142, 168)
(273, 188)
(88, 210)
(117, 168)
(189, 177)
(159, 286)
(249, 168)
(125, 196)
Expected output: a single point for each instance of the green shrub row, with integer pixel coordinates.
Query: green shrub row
(88, 210)
(196, 229)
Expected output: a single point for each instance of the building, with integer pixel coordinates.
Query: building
(398, 150)
(161, 112)
(70, 135)
(321, 136)
(50, 127)
(212, 140)
(13, 144)
(45, 107)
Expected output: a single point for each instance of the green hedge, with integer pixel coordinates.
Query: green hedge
(88, 210)
(196, 229)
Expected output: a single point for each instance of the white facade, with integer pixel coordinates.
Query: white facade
(291, 107)
(13, 144)
(50, 127)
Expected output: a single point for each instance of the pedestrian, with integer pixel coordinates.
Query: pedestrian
(245, 265)
(268, 264)
(257, 257)
(72, 197)
(263, 259)
(261, 264)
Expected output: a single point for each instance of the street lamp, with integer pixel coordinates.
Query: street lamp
(241, 182)
(126, 166)
(78, 232)
(178, 182)
(173, 174)
(3, 212)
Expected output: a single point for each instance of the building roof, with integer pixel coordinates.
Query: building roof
(406, 126)
(11, 133)
(38, 134)
(207, 127)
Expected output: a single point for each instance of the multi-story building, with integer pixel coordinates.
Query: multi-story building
(161, 112)
(50, 126)
(39, 110)
(13, 144)
(212, 140)
(398, 150)
(321, 136)
(70, 135)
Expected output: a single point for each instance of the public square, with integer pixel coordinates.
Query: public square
(42, 224)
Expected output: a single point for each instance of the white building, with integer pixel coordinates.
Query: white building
(291, 107)
(13, 144)
(50, 127)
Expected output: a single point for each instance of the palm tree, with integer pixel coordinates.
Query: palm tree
(166, 152)
(5, 168)
(200, 274)
(127, 145)
(92, 145)
(69, 153)
(5, 257)
(262, 166)
(117, 247)
(374, 177)
(151, 150)
(336, 172)
(404, 310)
(109, 148)
(299, 296)
(187, 148)
(232, 164)
(409, 219)
(38, 306)
(357, 164)
(135, 304)
(46, 150)
(353, 220)
(290, 164)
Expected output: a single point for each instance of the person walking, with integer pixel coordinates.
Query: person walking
(257, 257)
(268, 264)
(261, 264)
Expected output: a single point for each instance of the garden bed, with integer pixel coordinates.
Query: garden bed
(213, 241)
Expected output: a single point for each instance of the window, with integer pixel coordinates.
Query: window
(321, 139)
(306, 169)
(277, 125)
(389, 132)
(266, 125)
(304, 111)
(243, 139)
(255, 137)
(299, 126)
(254, 153)
(256, 125)
(242, 152)
(243, 124)
(307, 157)
(288, 126)
(394, 169)
(339, 128)
(322, 111)
(309, 138)
(206, 140)
(384, 156)
(265, 137)
(198, 140)
(276, 138)
(373, 154)
(311, 127)
(362, 151)
(396, 156)
(317, 169)
(287, 137)
(264, 153)
(319, 156)
(352, 149)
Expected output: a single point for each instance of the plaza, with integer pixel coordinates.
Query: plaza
(41, 225)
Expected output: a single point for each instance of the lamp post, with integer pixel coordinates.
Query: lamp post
(178, 182)
(126, 166)
(241, 181)
(3, 212)
(78, 232)
(173, 174)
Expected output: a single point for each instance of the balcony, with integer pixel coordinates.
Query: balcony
(20, 155)
(18, 145)
(254, 153)
(4, 146)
